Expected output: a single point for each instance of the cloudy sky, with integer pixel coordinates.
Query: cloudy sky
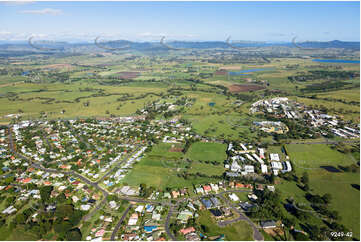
(145, 21)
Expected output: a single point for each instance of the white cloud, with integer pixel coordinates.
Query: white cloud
(148, 34)
(5, 35)
(4, 32)
(16, 3)
(168, 36)
(276, 34)
(45, 11)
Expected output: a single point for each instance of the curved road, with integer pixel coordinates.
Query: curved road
(256, 234)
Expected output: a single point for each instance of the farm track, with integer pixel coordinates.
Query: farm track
(11, 84)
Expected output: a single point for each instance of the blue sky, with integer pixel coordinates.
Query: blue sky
(144, 21)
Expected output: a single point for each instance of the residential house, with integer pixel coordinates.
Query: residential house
(133, 219)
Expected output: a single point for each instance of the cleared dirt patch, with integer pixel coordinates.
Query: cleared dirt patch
(58, 66)
(128, 74)
(244, 88)
(221, 73)
(10, 84)
(176, 149)
(274, 231)
(231, 67)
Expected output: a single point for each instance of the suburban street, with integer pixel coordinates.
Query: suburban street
(118, 164)
(256, 234)
(117, 227)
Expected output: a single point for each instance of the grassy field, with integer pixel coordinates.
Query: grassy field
(163, 150)
(207, 152)
(348, 112)
(53, 98)
(345, 198)
(347, 95)
(236, 231)
(160, 167)
(220, 120)
(18, 234)
(160, 174)
(316, 155)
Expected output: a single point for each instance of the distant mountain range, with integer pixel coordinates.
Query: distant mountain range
(184, 44)
(331, 44)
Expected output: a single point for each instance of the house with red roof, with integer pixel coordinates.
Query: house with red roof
(187, 230)
(240, 185)
(100, 233)
(207, 188)
(31, 169)
(26, 180)
(8, 187)
(65, 166)
(249, 186)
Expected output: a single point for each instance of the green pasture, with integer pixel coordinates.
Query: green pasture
(345, 198)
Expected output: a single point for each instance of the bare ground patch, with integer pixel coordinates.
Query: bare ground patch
(128, 74)
(58, 66)
(244, 88)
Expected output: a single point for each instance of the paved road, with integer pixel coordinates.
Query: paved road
(226, 222)
(143, 200)
(11, 141)
(121, 162)
(47, 141)
(98, 206)
(71, 173)
(256, 234)
(173, 207)
(79, 137)
(166, 225)
(117, 227)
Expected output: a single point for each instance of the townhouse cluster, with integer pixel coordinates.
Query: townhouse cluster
(338, 127)
(282, 107)
(250, 160)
